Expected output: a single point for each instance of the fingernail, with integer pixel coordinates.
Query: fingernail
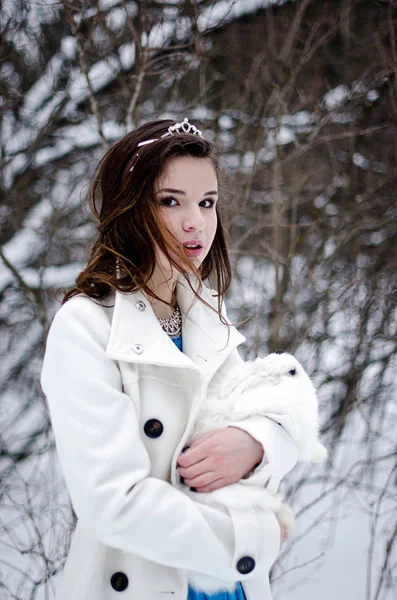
(193, 489)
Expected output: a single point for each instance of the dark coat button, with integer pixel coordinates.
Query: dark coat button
(245, 565)
(119, 582)
(153, 428)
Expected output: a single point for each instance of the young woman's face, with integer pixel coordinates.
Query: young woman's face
(187, 193)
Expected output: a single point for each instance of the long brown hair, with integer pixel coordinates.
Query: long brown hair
(121, 198)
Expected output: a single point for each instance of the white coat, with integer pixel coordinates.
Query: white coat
(122, 400)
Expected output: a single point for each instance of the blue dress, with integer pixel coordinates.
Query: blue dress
(238, 592)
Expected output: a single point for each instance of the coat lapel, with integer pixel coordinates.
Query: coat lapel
(136, 335)
(206, 340)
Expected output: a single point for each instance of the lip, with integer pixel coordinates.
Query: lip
(190, 252)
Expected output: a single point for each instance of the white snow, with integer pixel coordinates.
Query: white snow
(378, 237)
(230, 160)
(53, 277)
(107, 4)
(45, 278)
(302, 118)
(360, 161)
(69, 47)
(225, 122)
(33, 335)
(332, 209)
(115, 19)
(9, 74)
(99, 75)
(373, 95)
(127, 56)
(336, 97)
(266, 155)
(226, 140)
(202, 113)
(41, 90)
(280, 136)
(284, 136)
(15, 166)
(21, 247)
(82, 135)
(248, 160)
(320, 200)
(228, 10)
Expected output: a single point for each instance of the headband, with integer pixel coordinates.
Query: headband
(182, 127)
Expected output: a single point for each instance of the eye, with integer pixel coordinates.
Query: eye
(168, 201)
(292, 372)
(208, 203)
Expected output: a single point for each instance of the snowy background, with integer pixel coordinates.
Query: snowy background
(301, 98)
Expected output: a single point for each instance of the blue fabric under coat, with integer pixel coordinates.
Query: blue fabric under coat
(238, 592)
(178, 342)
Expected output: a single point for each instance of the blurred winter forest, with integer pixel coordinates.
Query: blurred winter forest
(301, 98)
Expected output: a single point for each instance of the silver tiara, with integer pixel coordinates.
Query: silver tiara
(182, 127)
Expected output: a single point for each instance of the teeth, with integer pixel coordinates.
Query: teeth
(192, 246)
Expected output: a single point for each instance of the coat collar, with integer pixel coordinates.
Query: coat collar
(136, 335)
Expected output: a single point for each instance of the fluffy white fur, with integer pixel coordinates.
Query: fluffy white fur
(276, 387)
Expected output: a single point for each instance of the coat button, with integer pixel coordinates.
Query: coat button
(245, 565)
(140, 305)
(153, 428)
(137, 348)
(119, 582)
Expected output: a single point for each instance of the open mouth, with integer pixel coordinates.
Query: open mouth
(192, 250)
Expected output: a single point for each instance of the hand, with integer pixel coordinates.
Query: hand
(219, 458)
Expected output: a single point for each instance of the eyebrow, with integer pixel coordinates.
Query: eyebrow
(182, 193)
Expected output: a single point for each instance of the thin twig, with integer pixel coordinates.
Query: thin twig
(85, 70)
(33, 295)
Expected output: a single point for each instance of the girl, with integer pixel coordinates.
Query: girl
(131, 354)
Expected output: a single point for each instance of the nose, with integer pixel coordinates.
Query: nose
(193, 220)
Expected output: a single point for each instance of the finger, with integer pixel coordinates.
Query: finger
(217, 484)
(198, 469)
(193, 456)
(202, 480)
(185, 460)
(203, 438)
(201, 447)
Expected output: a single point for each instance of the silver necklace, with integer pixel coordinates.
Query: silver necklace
(173, 325)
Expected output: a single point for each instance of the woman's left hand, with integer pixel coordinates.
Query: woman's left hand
(219, 458)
